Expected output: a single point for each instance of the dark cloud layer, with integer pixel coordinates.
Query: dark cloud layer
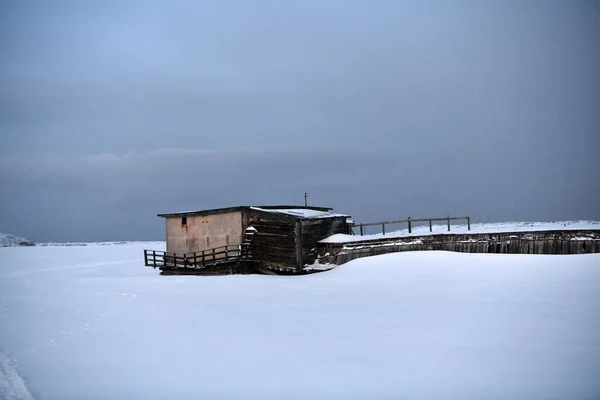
(111, 112)
(116, 197)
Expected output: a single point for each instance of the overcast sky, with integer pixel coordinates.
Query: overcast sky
(114, 111)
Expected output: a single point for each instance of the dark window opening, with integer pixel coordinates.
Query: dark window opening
(183, 221)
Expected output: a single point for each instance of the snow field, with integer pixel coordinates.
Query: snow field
(91, 322)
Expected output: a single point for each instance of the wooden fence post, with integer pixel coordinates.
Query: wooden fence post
(383, 228)
(361, 229)
(430, 227)
(448, 223)
(409, 225)
(469, 223)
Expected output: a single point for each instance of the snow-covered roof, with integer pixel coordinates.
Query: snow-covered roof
(304, 213)
(239, 208)
(463, 229)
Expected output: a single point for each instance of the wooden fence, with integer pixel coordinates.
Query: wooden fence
(197, 260)
(410, 221)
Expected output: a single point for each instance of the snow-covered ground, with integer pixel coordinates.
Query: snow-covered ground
(6, 240)
(423, 230)
(90, 322)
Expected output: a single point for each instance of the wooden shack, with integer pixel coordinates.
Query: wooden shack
(283, 238)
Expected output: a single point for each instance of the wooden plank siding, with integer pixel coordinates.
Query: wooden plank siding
(287, 243)
(314, 230)
(274, 243)
(537, 242)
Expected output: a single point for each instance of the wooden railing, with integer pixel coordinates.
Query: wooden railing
(197, 260)
(410, 221)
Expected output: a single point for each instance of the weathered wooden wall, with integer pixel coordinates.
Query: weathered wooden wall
(313, 230)
(274, 243)
(285, 243)
(540, 242)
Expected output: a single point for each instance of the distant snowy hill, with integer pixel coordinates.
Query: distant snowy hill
(8, 240)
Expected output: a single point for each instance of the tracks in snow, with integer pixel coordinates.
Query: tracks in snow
(12, 385)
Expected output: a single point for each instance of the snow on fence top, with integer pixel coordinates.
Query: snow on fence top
(301, 212)
(475, 228)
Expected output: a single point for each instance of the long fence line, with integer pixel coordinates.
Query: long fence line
(410, 220)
